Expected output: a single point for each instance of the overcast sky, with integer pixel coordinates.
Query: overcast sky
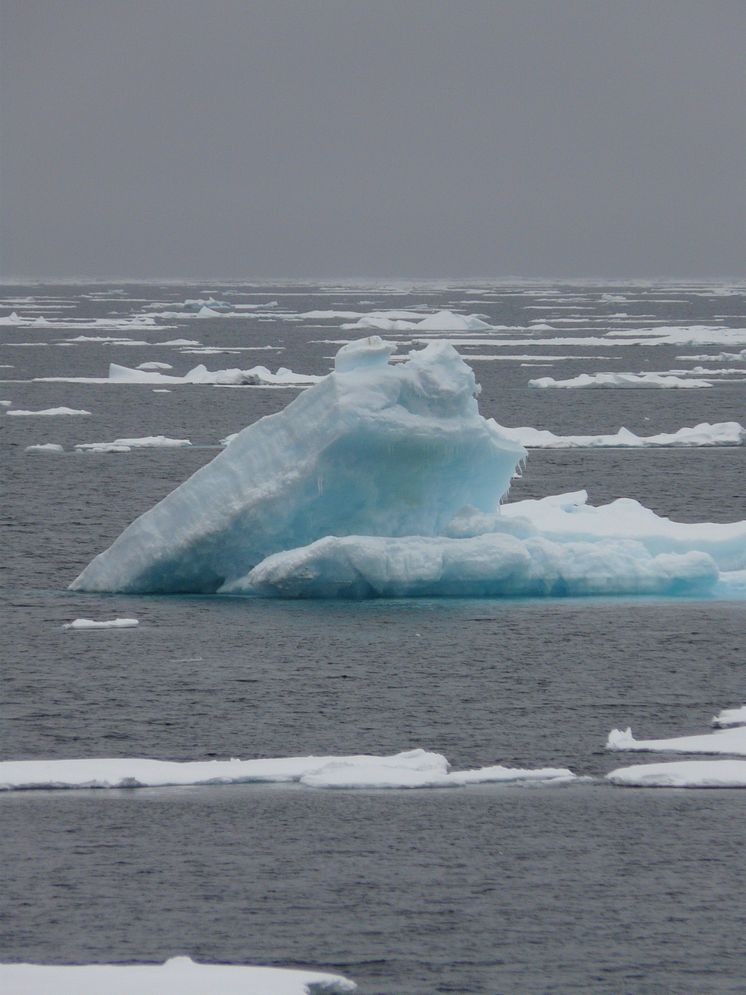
(244, 138)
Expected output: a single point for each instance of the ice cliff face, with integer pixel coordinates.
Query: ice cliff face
(374, 449)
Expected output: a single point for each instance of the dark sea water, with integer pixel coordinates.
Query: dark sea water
(582, 888)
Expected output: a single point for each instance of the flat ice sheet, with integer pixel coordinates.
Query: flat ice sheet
(720, 434)
(178, 976)
(682, 774)
(411, 769)
(731, 740)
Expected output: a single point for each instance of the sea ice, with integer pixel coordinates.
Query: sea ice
(634, 380)
(729, 740)
(126, 445)
(48, 412)
(729, 433)
(682, 774)
(730, 717)
(178, 976)
(411, 769)
(112, 623)
(384, 480)
(45, 447)
(201, 375)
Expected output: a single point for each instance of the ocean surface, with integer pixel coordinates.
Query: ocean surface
(581, 888)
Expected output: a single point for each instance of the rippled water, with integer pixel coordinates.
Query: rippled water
(582, 888)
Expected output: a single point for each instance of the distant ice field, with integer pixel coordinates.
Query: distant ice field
(485, 889)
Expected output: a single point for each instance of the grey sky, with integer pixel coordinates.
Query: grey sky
(244, 138)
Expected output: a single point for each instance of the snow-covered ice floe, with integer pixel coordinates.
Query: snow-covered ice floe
(411, 769)
(384, 480)
(45, 447)
(127, 445)
(682, 774)
(178, 976)
(48, 412)
(728, 740)
(442, 321)
(201, 375)
(728, 433)
(634, 380)
(730, 717)
(112, 623)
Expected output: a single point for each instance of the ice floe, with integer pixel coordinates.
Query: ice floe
(111, 623)
(682, 774)
(48, 412)
(730, 717)
(720, 434)
(45, 447)
(127, 445)
(384, 480)
(154, 367)
(728, 740)
(441, 321)
(201, 375)
(178, 976)
(634, 380)
(411, 769)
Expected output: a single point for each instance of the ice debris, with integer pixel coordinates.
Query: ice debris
(729, 433)
(45, 447)
(47, 412)
(127, 445)
(682, 774)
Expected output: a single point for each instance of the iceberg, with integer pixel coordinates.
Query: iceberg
(383, 480)
(410, 769)
(372, 449)
(178, 976)
(491, 565)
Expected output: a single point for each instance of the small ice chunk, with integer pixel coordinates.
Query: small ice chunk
(113, 623)
(45, 447)
(155, 366)
(48, 412)
(730, 717)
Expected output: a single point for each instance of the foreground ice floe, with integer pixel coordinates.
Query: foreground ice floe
(178, 976)
(411, 769)
(682, 774)
(634, 380)
(728, 433)
(384, 480)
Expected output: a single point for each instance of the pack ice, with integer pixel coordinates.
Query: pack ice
(384, 480)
